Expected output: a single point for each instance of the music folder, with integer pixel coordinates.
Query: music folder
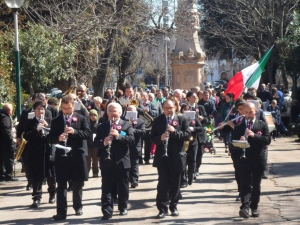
(131, 115)
(191, 115)
(240, 144)
(124, 101)
(66, 149)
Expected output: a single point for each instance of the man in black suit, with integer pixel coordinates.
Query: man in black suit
(69, 129)
(151, 109)
(113, 138)
(22, 127)
(251, 169)
(171, 131)
(7, 145)
(138, 127)
(53, 110)
(83, 97)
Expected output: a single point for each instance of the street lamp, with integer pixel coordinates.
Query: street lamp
(166, 39)
(15, 5)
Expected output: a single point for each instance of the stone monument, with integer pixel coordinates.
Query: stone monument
(187, 59)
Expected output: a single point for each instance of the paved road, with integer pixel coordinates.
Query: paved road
(210, 200)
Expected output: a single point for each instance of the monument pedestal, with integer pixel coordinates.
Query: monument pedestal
(188, 57)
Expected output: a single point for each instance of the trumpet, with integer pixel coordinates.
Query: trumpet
(167, 140)
(109, 144)
(243, 157)
(217, 128)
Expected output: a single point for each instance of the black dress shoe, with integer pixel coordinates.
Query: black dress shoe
(238, 198)
(95, 175)
(190, 182)
(265, 176)
(70, 189)
(244, 213)
(52, 199)
(255, 213)
(175, 213)
(106, 217)
(134, 185)
(78, 212)
(35, 204)
(124, 212)
(184, 185)
(59, 217)
(115, 200)
(161, 215)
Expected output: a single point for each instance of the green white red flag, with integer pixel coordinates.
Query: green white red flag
(248, 77)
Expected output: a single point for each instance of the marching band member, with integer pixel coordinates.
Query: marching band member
(39, 151)
(92, 159)
(251, 169)
(236, 153)
(169, 132)
(202, 116)
(151, 109)
(22, 127)
(113, 138)
(138, 127)
(71, 129)
(129, 95)
(83, 97)
(196, 129)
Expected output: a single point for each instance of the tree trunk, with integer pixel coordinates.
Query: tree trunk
(101, 73)
(30, 86)
(125, 63)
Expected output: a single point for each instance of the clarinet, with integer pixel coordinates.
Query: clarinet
(243, 157)
(109, 143)
(66, 139)
(167, 140)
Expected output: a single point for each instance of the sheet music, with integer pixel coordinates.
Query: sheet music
(131, 115)
(124, 101)
(240, 144)
(31, 115)
(77, 106)
(190, 115)
(66, 149)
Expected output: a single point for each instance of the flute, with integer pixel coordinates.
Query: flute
(217, 128)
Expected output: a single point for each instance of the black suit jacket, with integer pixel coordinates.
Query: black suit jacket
(54, 111)
(24, 119)
(176, 151)
(138, 128)
(258, 143)
(39, 150)
(119, 147)
(5, 130)
(74, 167)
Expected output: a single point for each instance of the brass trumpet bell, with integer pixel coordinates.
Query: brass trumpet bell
(134, 102)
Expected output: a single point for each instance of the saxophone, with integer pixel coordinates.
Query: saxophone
(21, 148)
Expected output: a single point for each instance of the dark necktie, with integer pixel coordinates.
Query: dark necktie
(250, 125)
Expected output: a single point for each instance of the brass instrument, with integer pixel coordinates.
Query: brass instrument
(69, 91)
(21, 148)
(243, 157)
(109, 144)
(187, 143)
(167, 140)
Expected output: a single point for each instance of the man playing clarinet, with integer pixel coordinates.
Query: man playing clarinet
(113, 139)
(251, 167)
(169, 132)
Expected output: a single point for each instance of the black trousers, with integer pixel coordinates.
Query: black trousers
(199, 155)
(6, 161)
(61, 198)
(134, 170)
(37, 188)
(147, 146)
(168, 187)
(109, 179)
(266, 168)
(236, 157)
(251, 172)
(191, 164)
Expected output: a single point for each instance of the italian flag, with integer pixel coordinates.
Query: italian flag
(248, 77)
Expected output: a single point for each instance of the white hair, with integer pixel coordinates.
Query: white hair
(178, 91)
(152, 95)
(98, 98)
(116, 105)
